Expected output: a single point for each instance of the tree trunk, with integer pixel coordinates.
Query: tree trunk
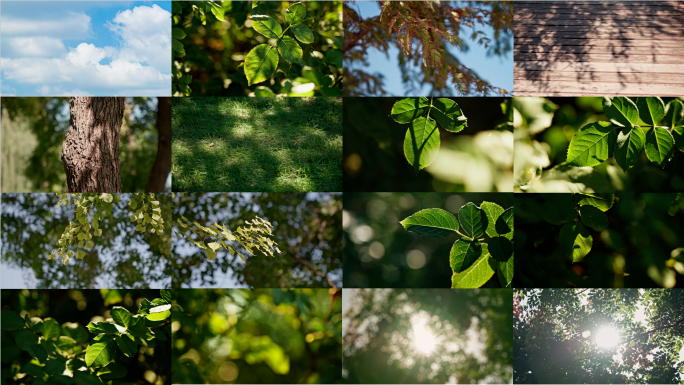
(162, 163)
(91, 148)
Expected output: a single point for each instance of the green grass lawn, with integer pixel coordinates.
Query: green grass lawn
(257, 144)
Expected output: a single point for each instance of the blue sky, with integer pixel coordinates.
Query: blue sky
(112, 48)
(498, 71)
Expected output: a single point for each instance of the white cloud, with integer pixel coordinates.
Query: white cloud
(146, 35)
(37, 46)
(69, 26)
(86, 54)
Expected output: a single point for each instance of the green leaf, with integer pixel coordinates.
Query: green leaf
(263, 92)
(100, 351)
(75, 331)
(290, 50)
(179, 34)
(559, 209)
(464, 252)
(80, 254)
(126, 344)
(65, 343)
(303, 33)
(335, 57)
(55, 367)
(257, 3)
(421, 144)
(500, 249)
(10, 320)
(477, 274)
(674, 113)
(267, 26)
(166, 295)
(504, 272)
(214, 245)
(107, 197)
(295, 13)
(449, 115)
(217, 10)
(313, 75)
(26, 340)
(112, 371)
(493, 212)
(159, 313)
(629, 145)
(409, 109)
(593, 217)
(660, 146)
(592, 145)
(211, 254)
(651, 110)
(102, 328)
(621, 111)
(575, 240)
(505, 223)
(602, 202)
(473, 220)
(678, 135)
(121, 316)
(51, 329)
(138, 329)
(431, 222)
(32, 370)
(261, 63)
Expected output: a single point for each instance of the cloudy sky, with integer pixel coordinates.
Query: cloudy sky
(95, 48)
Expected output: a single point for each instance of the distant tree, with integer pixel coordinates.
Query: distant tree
(423, 31)
(162, 163)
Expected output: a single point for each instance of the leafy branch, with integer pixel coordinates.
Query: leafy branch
(472, 260)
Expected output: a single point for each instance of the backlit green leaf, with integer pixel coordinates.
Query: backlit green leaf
(477, 274)
(263, 92)
(473, 220)
(100, 351)
(75, 331)
(409, 109)
(674, 113)
(121, 316)
(493, 212)
(431, 222)
(592, 145)
(290, 50)
(629, 145)
(176, 33)
(126, 344)
(500, 248)
(261, 63)
(575, 240)
(65, 343)
(267, 26)
(138, 329)
(102, 328)
(166, 295)
(660, 145)
(593, 217)
(504, 272)
(449, 115)
(602, 202)
(421, 144)
(505, 223)
(211, 254)
(622, 111)
(303, 33)
(51, 329)
(651, 110)
(295, 13)
(217, 10)
(464, 252)
(678, 135)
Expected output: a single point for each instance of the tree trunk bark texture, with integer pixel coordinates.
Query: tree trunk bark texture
(162, 163)
(90, 153)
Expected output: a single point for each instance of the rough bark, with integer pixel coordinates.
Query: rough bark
(162, 163)
(90, 153)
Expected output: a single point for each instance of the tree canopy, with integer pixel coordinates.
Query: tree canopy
(598, 336)
(306, 227)
(418, 336)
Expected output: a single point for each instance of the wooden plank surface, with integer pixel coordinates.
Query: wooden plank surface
(598, 48)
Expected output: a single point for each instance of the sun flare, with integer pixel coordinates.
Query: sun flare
(423, 338)
(607, 337)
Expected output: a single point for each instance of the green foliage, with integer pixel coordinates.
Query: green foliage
(38, 349)
(599, 240)
(422, 138)
(208, 56)
(572, 134)
(257, 144)
(593, 143)
(556, 336)
(472, 261)
(258, 336)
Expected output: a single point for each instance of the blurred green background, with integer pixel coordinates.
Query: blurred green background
(543, 130)
(642, 246)
(151, 363)
(258, 336)
(379, 252)
(33, 130)
(479, 158)
(214, 51)
(419, 336)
